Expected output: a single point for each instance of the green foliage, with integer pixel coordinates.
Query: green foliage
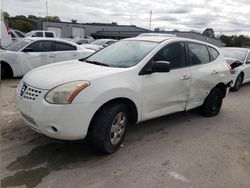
(21, 25)
(6, 16)
(235, 41)
(51, 19)
(209, 32)
(26, 24)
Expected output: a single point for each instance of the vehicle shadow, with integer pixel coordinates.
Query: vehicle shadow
(56, 155)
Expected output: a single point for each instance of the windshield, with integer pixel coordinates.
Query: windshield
(98, 42)
(236, 54)
(123, 53)
(16, 46)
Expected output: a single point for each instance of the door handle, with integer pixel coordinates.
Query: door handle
(214, 72)
(185, 77)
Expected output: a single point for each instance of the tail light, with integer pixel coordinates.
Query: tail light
(230, 69)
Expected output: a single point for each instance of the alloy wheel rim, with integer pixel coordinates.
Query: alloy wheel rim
(118, 128)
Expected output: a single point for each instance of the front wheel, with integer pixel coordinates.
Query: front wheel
(238, 83)
(109, 127)
(212, 104)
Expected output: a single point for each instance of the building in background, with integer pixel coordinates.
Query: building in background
(96, 30)
(114, 31)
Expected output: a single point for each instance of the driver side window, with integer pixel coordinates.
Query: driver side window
(174, 53)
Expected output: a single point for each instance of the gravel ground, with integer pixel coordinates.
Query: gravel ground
(179, 150)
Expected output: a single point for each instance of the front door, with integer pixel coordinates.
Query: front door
(165, 93)
(39, 53)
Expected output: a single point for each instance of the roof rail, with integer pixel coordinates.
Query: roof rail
(156, 35)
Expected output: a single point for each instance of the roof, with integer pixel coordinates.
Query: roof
(236, 48)
(48, 39)
(160, 39)
(150, 38)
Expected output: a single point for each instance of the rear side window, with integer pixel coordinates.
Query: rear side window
(38, 34)
(49, 34)
(198, 54)
(59, 46)
(174, 53)
(41, 46)
(20, 34)
(213, 53)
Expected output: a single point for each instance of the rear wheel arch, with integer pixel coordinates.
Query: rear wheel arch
(222, 87)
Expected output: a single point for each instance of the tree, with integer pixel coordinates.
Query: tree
(21, 25)
(235, 41)
(52, 19)
(6, 16)
(157, 29)
(209, 32)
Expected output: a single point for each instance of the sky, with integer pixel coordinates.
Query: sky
(224, 16)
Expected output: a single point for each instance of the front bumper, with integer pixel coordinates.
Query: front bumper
(66, 122)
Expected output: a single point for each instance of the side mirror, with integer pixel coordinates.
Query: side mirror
(27, 50)
(161, 66)
(157, 66)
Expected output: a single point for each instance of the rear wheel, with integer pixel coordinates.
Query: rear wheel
(109, 127)
(238, 83)
(212, 104)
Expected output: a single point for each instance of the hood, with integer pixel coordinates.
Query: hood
(91, 46)
(49, 76)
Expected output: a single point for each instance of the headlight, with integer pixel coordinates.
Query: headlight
(65, 93)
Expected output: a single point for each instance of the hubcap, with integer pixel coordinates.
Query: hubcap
(118, 128)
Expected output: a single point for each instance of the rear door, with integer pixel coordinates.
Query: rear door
(65, 51)
(165, 93)
(39, 53)
(205, 70)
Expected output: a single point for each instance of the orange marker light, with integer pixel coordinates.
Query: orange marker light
(76, 91)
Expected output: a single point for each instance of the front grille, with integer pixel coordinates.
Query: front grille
(31, 93)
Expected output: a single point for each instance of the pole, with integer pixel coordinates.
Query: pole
(47, 10)
(150, 19)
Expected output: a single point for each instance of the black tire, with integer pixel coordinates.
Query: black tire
(6, 71)
(212, 104)
(238, 83)
(100, 134)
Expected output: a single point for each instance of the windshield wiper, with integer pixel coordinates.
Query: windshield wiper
(97, 63)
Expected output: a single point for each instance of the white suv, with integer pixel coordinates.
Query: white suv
(128, 82)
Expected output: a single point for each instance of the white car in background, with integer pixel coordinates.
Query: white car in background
(24, 55)
(99, 44)
(41, 33)
(130, 81)
(16, 35)
(239, 60)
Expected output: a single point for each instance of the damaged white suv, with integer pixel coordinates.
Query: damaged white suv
(128, 82)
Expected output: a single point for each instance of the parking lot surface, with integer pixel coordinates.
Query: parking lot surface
(179, 150)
